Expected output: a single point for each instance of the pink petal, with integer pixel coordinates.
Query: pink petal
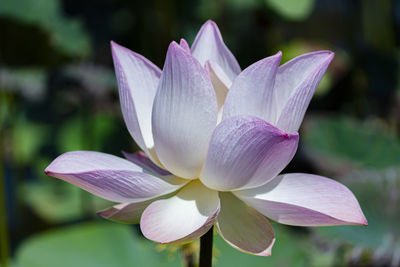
(127, 212)
(252, 91)
(209, 45)
(295, 85)
(137, 83)
(220, 81)
(246, 152)
(184, 114)
(184, 45)
(142, 160)
(244, 228)
(183, 217)
(110, 177)
(305, 200)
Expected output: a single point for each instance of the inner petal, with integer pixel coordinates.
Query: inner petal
(220, 81)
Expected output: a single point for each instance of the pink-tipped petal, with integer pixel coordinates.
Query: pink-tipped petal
(142, 160)
(184, 114)
(137, 84)
(305, 200)
(295, 85)
(246, 152)
(244, 228)
(209, 45)
(220, 81)
(184, 45)
(125, 212)
(110, 177)
(252, 91)
(183, 217)
(128, 212)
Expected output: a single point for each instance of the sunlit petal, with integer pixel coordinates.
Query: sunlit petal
(183, 217)
(110, 177)
(305, 200)
(244, 228)
(184, 114)
(246, 152)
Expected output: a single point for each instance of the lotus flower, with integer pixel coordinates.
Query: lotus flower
(214, 139)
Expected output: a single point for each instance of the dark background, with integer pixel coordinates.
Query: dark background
(58, 93)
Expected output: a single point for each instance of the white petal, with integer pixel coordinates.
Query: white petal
(128, 212)
(244, 228)
(137, 83)
(183, 217)
(295, 85)
(251, 92)
(305, 200)
(184, 114)
(220, 81)
(246, 152)
(110, 177)
(209, 45)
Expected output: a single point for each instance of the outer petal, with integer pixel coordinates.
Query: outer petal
(125, 212)
(142, 160)
(305, 200)
(184, 114)
(295, 85)
(128, 212)
(110, 177)
(209, 45)
(137, 83)
(244, 228)
(246, 152)
(252, 91)
(220, 81)
(184, 217)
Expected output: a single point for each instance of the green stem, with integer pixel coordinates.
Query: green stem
(206, 246)
(3, 211)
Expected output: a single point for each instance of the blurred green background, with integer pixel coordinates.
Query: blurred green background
(58, 93)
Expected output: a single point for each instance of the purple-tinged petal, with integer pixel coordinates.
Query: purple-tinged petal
(295, 85)
(209, 45)
(305, 200)
(125, 212)
(110, 177)
(184, 45)
(142, 160)
(184, 114)
(137, 83)
(128, 212)
(183, 217)
(244, 228)
(246, 152)
(220, 81)
(252, 91)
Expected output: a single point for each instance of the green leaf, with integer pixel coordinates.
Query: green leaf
(292, 9)
(345, 141)
(56, 201)
(91, 134)
(27, 138)
(91, 244)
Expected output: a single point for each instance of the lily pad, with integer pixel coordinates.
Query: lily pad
(91, 244)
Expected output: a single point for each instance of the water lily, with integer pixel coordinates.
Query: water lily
(214, 140)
